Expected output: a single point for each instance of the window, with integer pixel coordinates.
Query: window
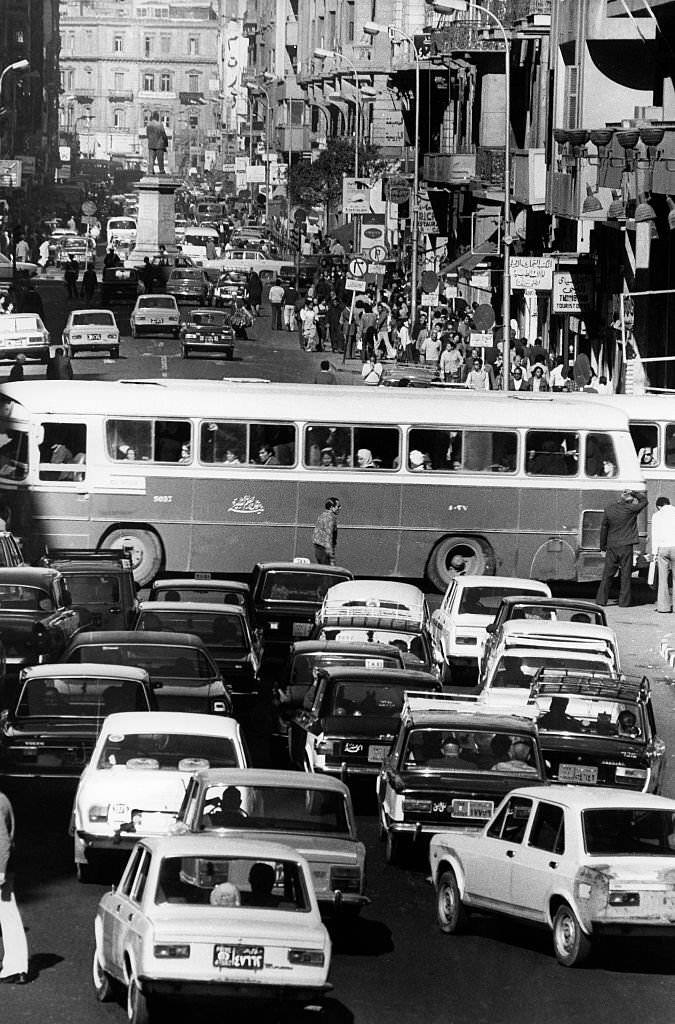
(511, 823)
(670, 445)
(165, 44)
(118, 79)
(328, 446)
(646, 440)
(193, 46)
(297, 112)
(193, 81)
(68, 79)
(63, 444)
(88, 78)
(148, 81)
(147, 45)
(119, 119)
(70, 42)
(548, 829)
(470, 451)
(13, 454)
(350, 21)
(118, 44)
(235, 444)
(552, 453)
(600, 455)
(165, 83)
(149, 440)
(129, 875)
(141, 877)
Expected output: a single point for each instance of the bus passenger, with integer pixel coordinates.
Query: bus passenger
(266, 456)
(416, 462)
(231, 457)
(327, 457)
(126, 452)
(364, 459)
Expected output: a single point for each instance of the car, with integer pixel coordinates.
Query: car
(181, 669)
(586, 863)
(155, 314)
(82, 247)
(553, 609)
(383, 611)
(136, 778)
(225, 631)
(311, 813)
(458, 626)
(212, 918)
(91, 330)
(229, 287)
(189, 284)
(195, 240)
(286, 597)
(596, 731)
(450, 764)
(37, 619)
(23, 334)
(55, 239)
(202, 587)
(208, 331)
(101, 585)
(120, 229)
(245, 259)
(23, 267)
(119, 283)
(349, 717)
(49, 730)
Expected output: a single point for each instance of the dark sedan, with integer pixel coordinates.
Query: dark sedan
(207, 330)
(189, 284)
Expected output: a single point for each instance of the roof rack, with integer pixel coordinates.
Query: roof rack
(90, 554)
(371, 618)
(550, 682)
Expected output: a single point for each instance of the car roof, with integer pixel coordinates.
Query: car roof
(85, 669)
(269, 777)
(203, 845)
(28, 575)
(345, 647)
(183, 722)
(193, 607)
(552, 682)
(88, 312)
(118, 637)
(464, 715)
(551, 602)
(465, 582)
(543, 627)
(580, 654)
(372, 591)
(302, 567)
(580, 797)
(360, 674)
(194, 582)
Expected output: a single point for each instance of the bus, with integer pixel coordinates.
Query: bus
(215, 476)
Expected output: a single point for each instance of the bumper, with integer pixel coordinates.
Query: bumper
(636, 929)
(109, 844)
(331, 903)
(338, 771)
(40, 352)
(220, 987)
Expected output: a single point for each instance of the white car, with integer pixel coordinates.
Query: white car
(199, 916)
(91, 330)
(585, 863)
(22, 266)
(23, 333)
(135, 781)
(469, 605)
(246, 259)
(155, 314)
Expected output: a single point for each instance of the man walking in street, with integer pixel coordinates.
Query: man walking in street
(14, 969)
(289, 301)
(663, 549)
(276, 297)
(59, 366)
(325, 533)
(618, 535)
(71, 274)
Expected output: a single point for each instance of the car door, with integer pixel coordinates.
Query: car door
(488, 872)
(439, 618)
(116, 917)
(538, 862)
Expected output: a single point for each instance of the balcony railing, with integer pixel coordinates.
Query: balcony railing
(121, 96)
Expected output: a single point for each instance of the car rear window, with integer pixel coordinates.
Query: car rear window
(629, 832)
(217, 629)
(102, 319)
(293, 809)
(297, 586)
(167, 751)
(357, 699)
(84, 697)
(304, 664)
(184, 663)
(486, 600)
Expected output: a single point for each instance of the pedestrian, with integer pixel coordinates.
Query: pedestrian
(89, 283)
(276, 296)
(325, 533)
(372, 371)
(14, 969)
(618, 535)
(326, 375)
(111, 259)
(147, 275)
(254, 291)
(22, 251)
(71, 223)
(157, 143)
(71, 274)
(289, 301)
(16, 373)
(335, 321)
(477, 378)
(663, 550)
(59, 366)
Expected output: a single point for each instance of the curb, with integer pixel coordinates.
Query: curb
(667, 652)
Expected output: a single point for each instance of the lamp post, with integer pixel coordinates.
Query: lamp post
(18, 65)
(372, 28)
(462, 6)
(322, 54)
(256, 89)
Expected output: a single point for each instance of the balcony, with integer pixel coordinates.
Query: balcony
(120, 96)
(450, 168)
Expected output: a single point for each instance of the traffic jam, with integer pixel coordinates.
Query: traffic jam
(532, 793)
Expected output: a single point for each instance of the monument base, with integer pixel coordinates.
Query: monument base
(156, 219)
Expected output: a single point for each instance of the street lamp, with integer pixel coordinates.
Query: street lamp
(18, 65)
(462, 6)
(256, 89)
(372, 28)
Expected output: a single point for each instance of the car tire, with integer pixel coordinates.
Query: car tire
(451, 914)
(571, 945)
(147, 553)
(138, 1004)
(393, 848)
(459, 555)
(104, 986)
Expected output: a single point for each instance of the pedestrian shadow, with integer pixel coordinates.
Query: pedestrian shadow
(41, 962)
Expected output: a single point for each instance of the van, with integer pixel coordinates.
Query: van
(121, 229)
(195, 240)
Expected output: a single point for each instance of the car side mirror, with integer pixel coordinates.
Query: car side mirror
(490, 628)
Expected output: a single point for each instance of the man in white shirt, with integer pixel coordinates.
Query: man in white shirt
(663, 548)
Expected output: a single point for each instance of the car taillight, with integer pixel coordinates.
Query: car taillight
(172, 951)
(631, 773)
(327, 747)
(219, 707)
(624, 899)
(466, 639)
(419, 806)
(307, 957)
(98, 812)
(346, 879)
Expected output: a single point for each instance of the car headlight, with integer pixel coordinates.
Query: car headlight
(98, 812)
(111, 337)
(171, 951)
(306, 957)
(631, 773)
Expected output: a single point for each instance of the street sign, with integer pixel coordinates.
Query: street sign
(430, 298)
(398, 191)
(88, 208)
(484, 317)
(532, 272)
(429, 281)
(355, 195)
(481, 339)
(378, 253)
(377, 268)
(355, 284)
(300, 215)
(88, 220)
(358, 266)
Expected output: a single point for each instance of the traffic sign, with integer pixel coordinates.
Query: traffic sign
(355, 284)
(358, 266)
(88, 208)
(429, 281)
(377, 268)
(377, 253)
(300, 215)
(484, 317)
(398, 191)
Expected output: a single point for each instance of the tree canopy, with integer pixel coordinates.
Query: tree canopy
(319, 182)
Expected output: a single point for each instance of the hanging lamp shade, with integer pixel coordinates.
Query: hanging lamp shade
(643, 210)
(591, 203)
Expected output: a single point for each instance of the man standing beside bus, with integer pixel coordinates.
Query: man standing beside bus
(663, 550)
(618, 535)
(325, 533)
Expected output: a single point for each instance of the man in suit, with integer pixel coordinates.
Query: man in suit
(157, 144)
(618, 535)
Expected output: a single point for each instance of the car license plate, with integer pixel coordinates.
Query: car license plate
(377, 753)
(581, 773)
(302, 628)
(149, 822)
(154, 320)
(93, 337)
(472, 809)
(241, 958)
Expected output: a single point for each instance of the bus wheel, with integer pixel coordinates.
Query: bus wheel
(459, 556)
(145, 548)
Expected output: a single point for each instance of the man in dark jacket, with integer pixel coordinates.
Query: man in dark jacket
(157, 143)
(59, 366)
(618, 534)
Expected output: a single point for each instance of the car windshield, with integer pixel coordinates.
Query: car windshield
(167, 751)
(201, 240)
(556, 613)
(209, 595)
(184, 663)
(93, 589)
(20, 323)
(186, 275)
(309, 587)
(121, 225)
(629, 831)
(157, 302)
(21, 598)
(220, 883)
(101, 319)
(216, 629)
(410, 645)
(519, 673)
(83, 697)
(291, 809)
(590, 716)
(305, 664)
(439, 750)
(486, 600)
(211, 319)
(353, 700)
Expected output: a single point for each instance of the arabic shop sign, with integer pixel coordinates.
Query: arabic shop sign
(532, 272)
(573, 292)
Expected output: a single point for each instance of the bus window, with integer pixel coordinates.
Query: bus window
(223, 443)
(552, 453)
(475, 451)
(172, 441)
(669, 451)
(327, 446)
(14, 454)
(129, 440)
(272, 444)
(382, 446)
(646, 440)
(600, 455)
(63, 444)
(490, 451)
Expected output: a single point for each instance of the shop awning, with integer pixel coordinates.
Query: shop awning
(469, 260)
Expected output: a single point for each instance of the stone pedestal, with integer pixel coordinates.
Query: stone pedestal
(156, 219)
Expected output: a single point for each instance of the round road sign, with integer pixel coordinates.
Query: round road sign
(398, 191)
(429, 281)
(377, 253)
(88, 208)
(484, 317)
(358, 267)
(300, 215)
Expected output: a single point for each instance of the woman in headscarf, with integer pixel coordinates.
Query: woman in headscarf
(364, 459)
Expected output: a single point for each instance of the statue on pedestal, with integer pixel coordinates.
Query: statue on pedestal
(157, 144)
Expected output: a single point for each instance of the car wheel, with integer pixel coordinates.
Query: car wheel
(459, 556)
(103, 983)
(147, 553)
(570, 944)
(393, 848)
(138, 1005)
(451, 914)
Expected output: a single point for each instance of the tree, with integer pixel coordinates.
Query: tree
(320, 181)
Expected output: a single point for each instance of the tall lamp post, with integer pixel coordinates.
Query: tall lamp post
(18, 65)
(462, 6)
(256, 89)
(372, 28)
(323, 54)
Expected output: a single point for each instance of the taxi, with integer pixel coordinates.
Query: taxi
(215, 918)
(155, 314)
(23, 334)
(91, 330)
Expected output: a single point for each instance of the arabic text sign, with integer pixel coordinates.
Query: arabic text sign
(532, 272)
(573, 292)
(355, 195)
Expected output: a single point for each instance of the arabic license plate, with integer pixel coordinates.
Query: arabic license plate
(302, 628)
(472, 809)
(93, 337)
(581, 773)
(118, 812)
(377, 753)
(240, 958)
(13, 342)
(156, 320)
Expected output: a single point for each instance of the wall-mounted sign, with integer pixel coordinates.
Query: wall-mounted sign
(573, 292)
(532, 272)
